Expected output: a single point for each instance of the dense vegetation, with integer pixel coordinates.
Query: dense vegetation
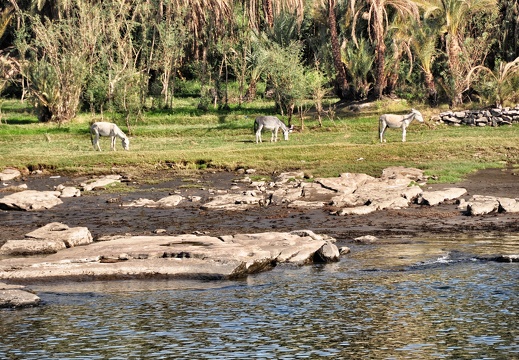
(129, 56)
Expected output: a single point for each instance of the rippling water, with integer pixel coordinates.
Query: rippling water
(419, 299)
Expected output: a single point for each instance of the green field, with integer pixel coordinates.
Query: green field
(188, 139)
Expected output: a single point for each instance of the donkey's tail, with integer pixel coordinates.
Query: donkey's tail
(255, 127)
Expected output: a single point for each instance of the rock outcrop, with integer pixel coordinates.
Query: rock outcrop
(183, 256)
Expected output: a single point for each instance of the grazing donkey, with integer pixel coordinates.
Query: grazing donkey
(271, 123)
(397, 121)
(107, 129)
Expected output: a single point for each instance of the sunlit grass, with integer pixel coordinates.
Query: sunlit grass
(184, 139)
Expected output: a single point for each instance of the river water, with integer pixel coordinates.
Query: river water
(403, 299)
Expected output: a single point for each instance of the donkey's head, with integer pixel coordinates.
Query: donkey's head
(417, 115)
(126, 143)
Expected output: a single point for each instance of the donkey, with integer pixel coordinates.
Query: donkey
(108, 129)
(397, 121)
(271, 123)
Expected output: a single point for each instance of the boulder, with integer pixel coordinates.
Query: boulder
(508, 205)
(9, 174)
(433, 198)
(68, 191)
(30, 200)
(31, 247)
(16, 296)
(60, 232)
(480, 205)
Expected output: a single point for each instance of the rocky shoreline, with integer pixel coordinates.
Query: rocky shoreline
(54, 251)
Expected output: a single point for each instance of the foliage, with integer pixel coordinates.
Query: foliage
(127, 55)
(499, 86)
(54, 63)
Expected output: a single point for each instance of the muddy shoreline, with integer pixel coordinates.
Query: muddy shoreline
(102, 212)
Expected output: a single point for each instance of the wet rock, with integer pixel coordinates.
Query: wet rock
(182, 256)
(327, 253)
(16, 296)
(30, 200)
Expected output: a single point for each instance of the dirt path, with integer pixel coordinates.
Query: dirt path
(103, 214)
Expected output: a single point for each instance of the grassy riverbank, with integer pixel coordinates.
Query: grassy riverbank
(187, 138)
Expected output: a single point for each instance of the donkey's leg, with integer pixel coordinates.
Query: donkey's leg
(113, 138)
(96, 141)
(403, 133)
(382, 129)
(258, 134)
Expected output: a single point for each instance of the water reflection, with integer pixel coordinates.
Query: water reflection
(394, 301)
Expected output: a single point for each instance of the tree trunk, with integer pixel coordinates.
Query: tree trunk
(341, 81)
(380, 53)
(269, 13)
(432, 93)
(453, 53)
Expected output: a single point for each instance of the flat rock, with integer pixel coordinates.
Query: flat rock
(168, 201)
(31, 247)
(30, 200)
(17, 298)
(100, 183)
(182, 256)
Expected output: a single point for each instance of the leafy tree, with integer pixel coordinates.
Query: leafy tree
(286, 74)
(359, 60)
(55, 62)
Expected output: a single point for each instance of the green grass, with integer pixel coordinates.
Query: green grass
(188, 139)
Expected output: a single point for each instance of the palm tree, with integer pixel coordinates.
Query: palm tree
(502, 82)
(341, 80)
(423, 43)
(378, 16)
(454, 15)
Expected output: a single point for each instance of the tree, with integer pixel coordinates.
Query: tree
(464, 51)
(378, 16)
(423, 43)
(341, 82)
(286, 74)
(497, 86)
(55, 61)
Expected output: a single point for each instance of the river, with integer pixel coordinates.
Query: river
(427, 298)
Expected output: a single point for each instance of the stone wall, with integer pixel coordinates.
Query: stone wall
(486, 117)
